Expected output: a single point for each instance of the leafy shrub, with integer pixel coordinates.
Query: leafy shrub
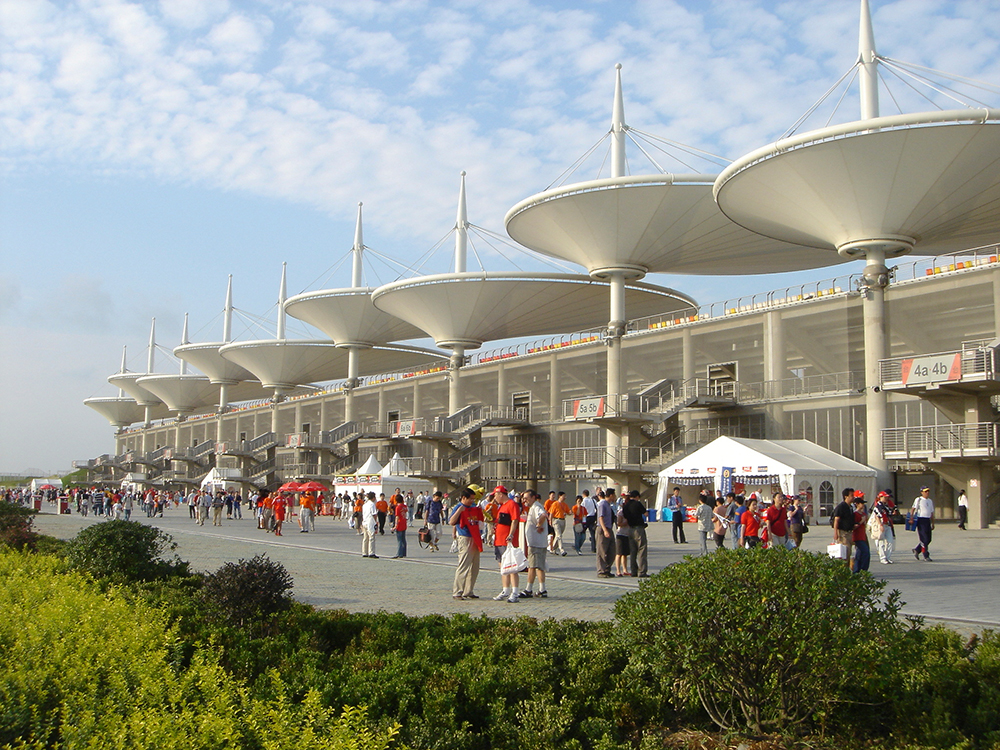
(949, 689)
(248, 591)
(16, 527)
(763, 640)
(83, 668)
(124, 550)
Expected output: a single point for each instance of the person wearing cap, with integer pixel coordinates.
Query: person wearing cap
(885, 543)
(507, 535)
(862, 552)
(467, 518)
(635, 514)
(923, 510)
(843, 523)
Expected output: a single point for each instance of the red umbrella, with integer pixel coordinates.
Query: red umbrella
(312, 486)
(290, 487)
(46, 487)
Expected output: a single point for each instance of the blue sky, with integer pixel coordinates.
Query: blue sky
(148, 149)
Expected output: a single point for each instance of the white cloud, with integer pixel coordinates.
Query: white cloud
(193, 14)
(239, 39)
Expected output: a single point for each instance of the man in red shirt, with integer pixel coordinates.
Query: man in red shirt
(506, 535)
(776, 519)
(467, 518)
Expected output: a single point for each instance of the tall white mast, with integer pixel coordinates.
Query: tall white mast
(357, 250)
(184, 340)
(618, 127)
(282, 296)
(868, 60)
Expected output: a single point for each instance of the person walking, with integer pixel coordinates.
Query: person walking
(885, 538)
(862, 552)
(590, 504)
(719, 522)
(434, 508)
(279, 507)
(401, 514)
(750, 526)
(796, 521)
(506, 533)
(369, 526)
(579, 525)
(776, 520)
(923, 510)
(676, 507)
(536, 536)
(558, 510)
(963, 510)
(843, 524)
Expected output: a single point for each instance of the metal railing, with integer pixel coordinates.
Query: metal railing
(678, 394)
(941, 441)
(259, 442)
(651, 457)
(828, 384)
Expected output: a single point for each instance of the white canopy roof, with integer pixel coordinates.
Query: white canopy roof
(183, 394)
(467, 309)
(348, 316)
(120, 411)
(929, 180)
(127, 382)
(284, 363)
(788, 463)
(652, 223)
(206, 357)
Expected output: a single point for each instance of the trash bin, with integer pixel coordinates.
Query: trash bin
(63, 506)
(666, 514)
(651, 514)
(37, 503)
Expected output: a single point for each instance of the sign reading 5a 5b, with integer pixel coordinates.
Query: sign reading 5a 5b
(588, 408)
(933, 369)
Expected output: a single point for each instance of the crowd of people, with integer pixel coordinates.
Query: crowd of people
(524, 530)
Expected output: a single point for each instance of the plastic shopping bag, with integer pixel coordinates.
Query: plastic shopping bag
(513, 561)
(837, 551)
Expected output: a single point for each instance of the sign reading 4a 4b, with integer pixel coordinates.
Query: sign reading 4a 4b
(936, 368)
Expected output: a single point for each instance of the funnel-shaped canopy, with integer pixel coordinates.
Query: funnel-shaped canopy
(282, 364)
(127, 382)
(118, 410)
(930, 180)
(467, 309)
(649, 224)
(348, 317)
(206, 357)
(183, 394)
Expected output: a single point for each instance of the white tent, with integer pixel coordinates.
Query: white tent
(220, 479)
(793, 466)
(371, 476)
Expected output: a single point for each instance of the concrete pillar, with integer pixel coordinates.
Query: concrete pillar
(555, 405)
(873, 311)
(996, 307)
(455, 395)
(382, 408)
(501, 384)
(416, 398)
(324, 414)
(297, 426)
(687, 370)
(774, 364)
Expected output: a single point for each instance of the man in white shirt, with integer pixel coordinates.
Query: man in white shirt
(590, 505)
(369, 526)
(536, 534)
(923, 510)
(963, 510)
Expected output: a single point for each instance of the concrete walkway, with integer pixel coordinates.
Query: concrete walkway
(961, 587)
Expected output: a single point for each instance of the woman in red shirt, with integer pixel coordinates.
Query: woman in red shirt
(750, 526)
(278, 508)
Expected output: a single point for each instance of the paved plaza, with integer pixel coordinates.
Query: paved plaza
(961, 587)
